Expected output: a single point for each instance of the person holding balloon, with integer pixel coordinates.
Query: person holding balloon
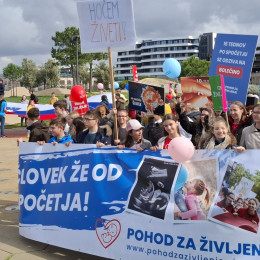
(180, 149)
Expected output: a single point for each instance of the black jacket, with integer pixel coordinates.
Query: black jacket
(2, 89)
(153, 131)
(39, 131)
(100, 137)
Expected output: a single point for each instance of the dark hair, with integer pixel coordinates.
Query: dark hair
(129, 139)
(103, 97)
(60, 104)
(170, 117)
(66, 95)
(94, 113)
(33, 113)
(59, 121)
(79, 125)
(223, 204)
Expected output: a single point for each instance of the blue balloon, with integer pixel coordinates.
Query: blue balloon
(172, 68)
(127, 87)
(116, 85)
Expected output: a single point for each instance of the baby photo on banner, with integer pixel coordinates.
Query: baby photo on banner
(194, 190)
(237, 202)
(152, 191)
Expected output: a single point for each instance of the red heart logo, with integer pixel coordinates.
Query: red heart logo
(108, 233)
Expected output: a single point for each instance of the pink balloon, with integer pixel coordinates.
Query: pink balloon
(181, 149)
(100, 86)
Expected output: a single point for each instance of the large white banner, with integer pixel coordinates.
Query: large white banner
(106, 24)
(123, 204)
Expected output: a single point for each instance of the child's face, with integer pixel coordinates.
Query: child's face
(69, 120)
(137, 134)
(170, 126)
(220, 130)
(189, 185)
(122, 117)
(58, 111)
(90, 121)
(56, 130)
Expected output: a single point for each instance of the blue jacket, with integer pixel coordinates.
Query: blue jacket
(63, 140)
(3, 105)
(100, 137)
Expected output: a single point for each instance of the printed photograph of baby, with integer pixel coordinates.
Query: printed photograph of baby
(237, 202)
(151, 193)
(194, 190)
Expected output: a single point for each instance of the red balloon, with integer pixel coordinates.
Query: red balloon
(78, 98)
(78, 93)
(181, 149)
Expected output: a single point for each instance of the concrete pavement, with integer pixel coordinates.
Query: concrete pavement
(12, 245)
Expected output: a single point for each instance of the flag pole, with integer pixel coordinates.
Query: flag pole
(112, 89)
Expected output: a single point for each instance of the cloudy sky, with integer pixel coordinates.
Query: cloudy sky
(27, 26)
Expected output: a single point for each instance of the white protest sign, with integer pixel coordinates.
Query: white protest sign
(106, 24)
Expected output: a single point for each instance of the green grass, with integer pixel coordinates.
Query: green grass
(44, 99)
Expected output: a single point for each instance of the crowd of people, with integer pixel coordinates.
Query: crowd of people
(245, 208)
(239, 129)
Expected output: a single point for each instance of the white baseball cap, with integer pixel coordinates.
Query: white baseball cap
(133, 124)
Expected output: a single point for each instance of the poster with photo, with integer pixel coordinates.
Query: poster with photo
(196, 92)
(194, 191)
(237, 202)
(151, 193)
(146, 98)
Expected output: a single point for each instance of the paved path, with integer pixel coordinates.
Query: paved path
(12, 245)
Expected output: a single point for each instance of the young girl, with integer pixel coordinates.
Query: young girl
(171, 130)
(134, 138)
(220, 136)
(31, 104)
(72, 129)
(194, 187)
(24, 100)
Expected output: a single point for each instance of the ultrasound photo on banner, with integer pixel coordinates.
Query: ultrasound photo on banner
(152, 190)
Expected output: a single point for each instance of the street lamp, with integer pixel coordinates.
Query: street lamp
(76, 38)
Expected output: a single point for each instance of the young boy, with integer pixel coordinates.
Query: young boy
(94, 134)
(39, 131)
(57, 127)
(53, 98)
(60, 109)
(122, 118)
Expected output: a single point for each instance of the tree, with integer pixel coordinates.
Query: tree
(91, 58)
(194, 67)
(83, 75)
(65, 51)
(48, 73)
(101, 72)
(29, 73)
(13, 73)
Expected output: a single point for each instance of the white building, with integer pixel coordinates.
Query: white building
(149, 56)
